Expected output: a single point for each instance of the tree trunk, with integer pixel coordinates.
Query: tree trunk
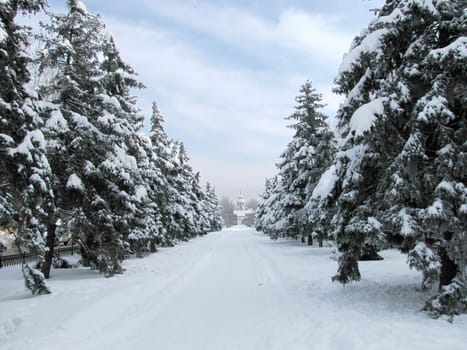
(49, 254)
(152, 246)
(303, 239)
(310, 239)
(448, 269)
(320, 241)
(85, 258)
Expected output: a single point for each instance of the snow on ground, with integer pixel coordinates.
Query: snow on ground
(234, 289)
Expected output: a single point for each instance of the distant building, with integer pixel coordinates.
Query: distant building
(244, 215)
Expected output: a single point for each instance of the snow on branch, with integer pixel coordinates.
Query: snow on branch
(370, 44)
(325, 184)
(74, 182)
(363, 118)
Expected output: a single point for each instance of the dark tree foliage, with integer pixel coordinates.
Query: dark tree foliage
(401, 166)
(72, 159)
(24, 170)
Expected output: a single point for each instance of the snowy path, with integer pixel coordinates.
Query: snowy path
(229, 290)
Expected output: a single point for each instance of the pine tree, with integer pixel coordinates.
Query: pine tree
(270, 214)
(399, 171)
(24, 169)
(163, 193)
(304, 160)
(262, 209)
(317, 153)
(170, 199)
(213, 209)
(153, 196)
(127, 165)
(424, 189)
(199, 207)
(85, 154)
(183, 183)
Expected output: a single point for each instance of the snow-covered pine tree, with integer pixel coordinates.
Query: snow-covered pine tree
(25, 173)
(182, 181)
(164, 195)
(174, 193)
(307, 156)
(176, 198)
(425, 189)
(262, 208)
(160, 140)
(80, 145)
(270, 214)
(199, 207)
(362, 156)
(120, 121)
(401, 166)
(151, 193)
(213, 208)
(183, 205)
(293, 160)
(176, 204)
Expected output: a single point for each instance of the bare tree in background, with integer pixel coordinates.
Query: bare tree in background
(227, 211)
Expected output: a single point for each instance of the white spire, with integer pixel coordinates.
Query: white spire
(241, 204)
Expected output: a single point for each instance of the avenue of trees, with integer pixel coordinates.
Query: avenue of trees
(72, 159)
(396, 174)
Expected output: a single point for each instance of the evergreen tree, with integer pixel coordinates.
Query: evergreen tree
(400, 168)
(312, 150)
(173, 192)
(187, 188)
(213, 209)
(199, 207)
(153, 196)
(163, 193)
(24, 169)
(120, 120)
(262, 209)
(115, 190)
(306, 157)
(424, 189)
(176, 210)
(89, 156)
(270, 214)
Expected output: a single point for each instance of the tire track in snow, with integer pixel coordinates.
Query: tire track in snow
(264, 266)
(148, 300)
(222, 306)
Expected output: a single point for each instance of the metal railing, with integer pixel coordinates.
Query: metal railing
(23, 257)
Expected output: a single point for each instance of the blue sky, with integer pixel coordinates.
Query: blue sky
(225, 73)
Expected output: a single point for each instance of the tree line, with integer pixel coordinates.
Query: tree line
(396, 173)
(72, 159)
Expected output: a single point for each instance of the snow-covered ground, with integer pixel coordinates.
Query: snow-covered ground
(234, 289)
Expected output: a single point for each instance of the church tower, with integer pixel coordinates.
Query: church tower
(241, 211)
(241, 204)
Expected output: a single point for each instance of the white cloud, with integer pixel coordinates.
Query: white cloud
(199, 95)
(226, 77)
(314, 36)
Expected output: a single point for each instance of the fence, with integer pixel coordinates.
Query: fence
(21, 258)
